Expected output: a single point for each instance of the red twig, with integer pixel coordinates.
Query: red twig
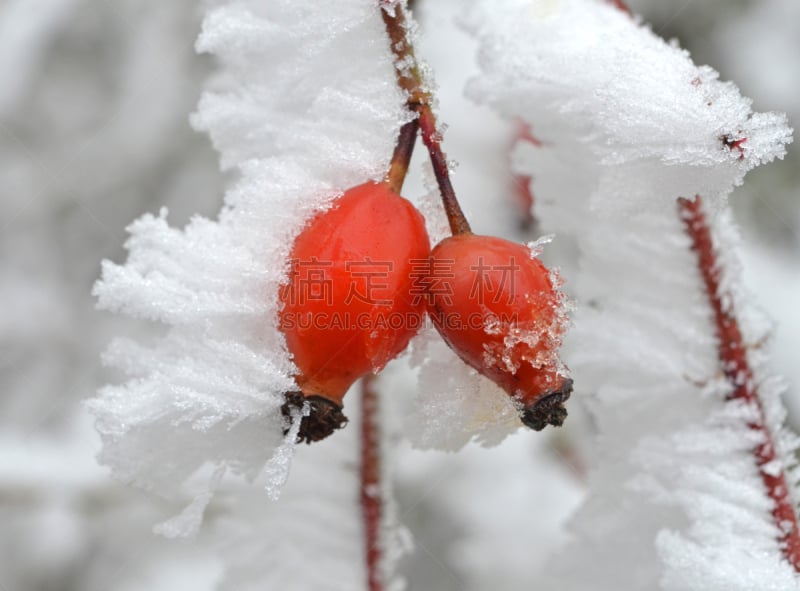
(734, 144)
(432, 141)
(371, 498)
(623, 6)
(409, 79)
(401, 158)
(521, 183)
(734, 362)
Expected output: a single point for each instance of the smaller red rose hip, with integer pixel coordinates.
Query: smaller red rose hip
(348, 307)
(498, 308)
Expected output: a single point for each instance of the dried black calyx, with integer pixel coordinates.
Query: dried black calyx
(324, 418)
(549, 409)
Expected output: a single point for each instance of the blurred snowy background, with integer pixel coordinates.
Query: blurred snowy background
(95, 98)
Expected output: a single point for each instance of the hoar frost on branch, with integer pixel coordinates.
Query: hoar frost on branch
(299, 110)
(627, 125)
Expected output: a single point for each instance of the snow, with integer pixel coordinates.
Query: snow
(453, 405)
(641, 106)
(298, 130)
(309, 538)
(633, 127)
(94, 133)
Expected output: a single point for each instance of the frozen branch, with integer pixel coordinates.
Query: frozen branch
(371, 496)
(734, 364)
(410, 79)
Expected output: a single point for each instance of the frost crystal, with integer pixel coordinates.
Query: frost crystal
(537, 246)
(454, 404)
(299, 123)
(632, 103)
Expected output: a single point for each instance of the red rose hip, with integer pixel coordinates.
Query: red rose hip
(347, 307)
(497, 307)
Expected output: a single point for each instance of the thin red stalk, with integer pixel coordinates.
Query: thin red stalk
(401, 158)
(371, 498)
(735, 365)
(524, 198)
(622, 5)
(409, 79)
(431, 139)
(521, 183)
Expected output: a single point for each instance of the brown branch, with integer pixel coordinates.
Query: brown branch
(735, 365)
(371, 498)
(419, 100)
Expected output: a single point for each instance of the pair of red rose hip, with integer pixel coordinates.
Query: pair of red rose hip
(362, 277)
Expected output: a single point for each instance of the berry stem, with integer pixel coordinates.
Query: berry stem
(431, 139)
(409, 78)
(402, 155)
(371, 498)
(734, 363)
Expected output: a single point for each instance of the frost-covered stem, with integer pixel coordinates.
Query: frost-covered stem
(431, 138)
(733, 358)
(419, 100)
(371, 498)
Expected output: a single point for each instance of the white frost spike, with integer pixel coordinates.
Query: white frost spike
(276, 472)
(299, 123)
(187, 523)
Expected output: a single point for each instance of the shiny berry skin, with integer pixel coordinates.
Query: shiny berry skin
(497, 307)
(348, 307)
